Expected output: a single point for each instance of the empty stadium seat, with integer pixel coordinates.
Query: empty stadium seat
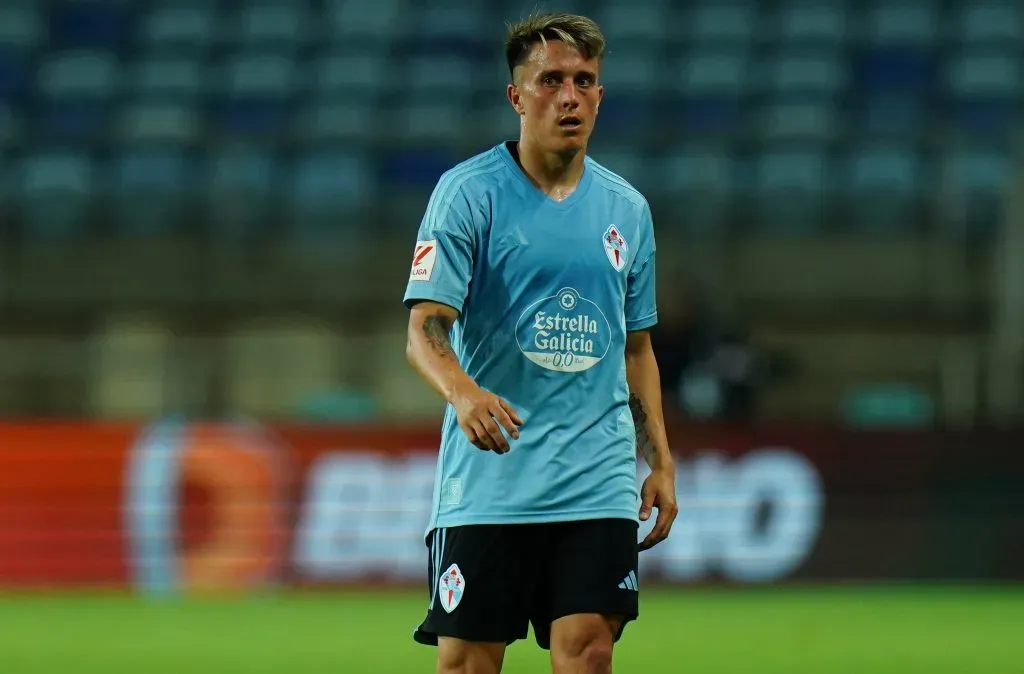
(326, 189)
(428, 123)
(904, 22)
(240, 187)
(268, 24)
(813, 24)
(171, 78)
(819, 74)
(701, 180)
(453, 79)
(80, 73)
(21, 25)
(981, 171)
(370, 23)
(731, 22)
(179, 26)
(347, 73)
(10, 127)
(893, 115)
(14, 76)
(708, 117)
(791, 186)
(95, 24)
(907, 69)
(150, 189)
(77, 89)
(985, 90)
(55, 190)
(256, 93)
(985, 74)
(800, 121)
(256, 74)
(166, 124)
(415, 170)
(445, 19)
(650, 23)
(78, 122)
(698, 170)
(633, 71)
(987, 23)
(883, 184)
(714, 72)
(328, 122)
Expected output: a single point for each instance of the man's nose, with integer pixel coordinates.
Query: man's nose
(569, 94)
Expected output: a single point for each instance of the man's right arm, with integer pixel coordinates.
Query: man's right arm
(439, 282)
(481, 414)
(429, 348)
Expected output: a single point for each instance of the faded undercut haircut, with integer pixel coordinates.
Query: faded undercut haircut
(574, 30)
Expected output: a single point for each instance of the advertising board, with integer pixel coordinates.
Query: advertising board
(176, 507)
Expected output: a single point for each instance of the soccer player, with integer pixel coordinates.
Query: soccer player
(530, 294)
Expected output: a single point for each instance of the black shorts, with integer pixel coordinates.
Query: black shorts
(487, 583)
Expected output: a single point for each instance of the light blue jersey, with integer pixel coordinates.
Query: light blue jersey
(546, 292)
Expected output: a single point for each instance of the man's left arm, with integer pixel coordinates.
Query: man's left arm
(644, 384)
(641, 313)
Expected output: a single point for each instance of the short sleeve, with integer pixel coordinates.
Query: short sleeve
(442, 263)
(641, 293)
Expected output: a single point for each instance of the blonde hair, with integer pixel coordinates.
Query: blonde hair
(576, 31)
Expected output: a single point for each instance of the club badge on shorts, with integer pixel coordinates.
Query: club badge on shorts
(451, 587)
(615, 247)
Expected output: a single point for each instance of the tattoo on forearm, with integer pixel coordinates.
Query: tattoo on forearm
(436, 329)
(643, 438)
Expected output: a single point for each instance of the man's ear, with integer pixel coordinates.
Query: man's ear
(515, 99)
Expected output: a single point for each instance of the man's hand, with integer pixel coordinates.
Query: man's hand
(658, 491)
(482, 416)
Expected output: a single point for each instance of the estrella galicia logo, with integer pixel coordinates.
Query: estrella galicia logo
(565, 332)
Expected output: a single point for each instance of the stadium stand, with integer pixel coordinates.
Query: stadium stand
(820, 103)
(758, 130)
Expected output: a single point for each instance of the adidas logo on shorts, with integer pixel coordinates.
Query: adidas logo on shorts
(630, 583)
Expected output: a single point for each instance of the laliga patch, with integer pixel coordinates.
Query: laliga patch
(423, 260)
(450, 588)
(615, 247)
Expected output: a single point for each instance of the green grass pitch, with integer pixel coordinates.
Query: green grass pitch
(812, 630)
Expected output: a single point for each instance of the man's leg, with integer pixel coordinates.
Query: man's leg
(591, 593)
(477, 604)
(583, 643)
(456, 656)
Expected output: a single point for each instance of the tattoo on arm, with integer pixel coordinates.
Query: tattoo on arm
(436, 329)
(643, 438)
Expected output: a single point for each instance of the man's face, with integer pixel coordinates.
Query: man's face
(556, 95)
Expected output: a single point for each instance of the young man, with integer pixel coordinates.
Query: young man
(531, 290)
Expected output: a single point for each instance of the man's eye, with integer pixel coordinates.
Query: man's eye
(549, 81)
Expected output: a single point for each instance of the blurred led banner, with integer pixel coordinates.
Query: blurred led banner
(230, 507)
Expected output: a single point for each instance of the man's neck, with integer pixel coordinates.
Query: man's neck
(557, 175)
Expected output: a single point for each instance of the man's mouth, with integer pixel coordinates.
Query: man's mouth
(570, 122)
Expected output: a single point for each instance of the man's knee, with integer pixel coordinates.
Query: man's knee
(455, 656)
(583, 644)
(596, 658)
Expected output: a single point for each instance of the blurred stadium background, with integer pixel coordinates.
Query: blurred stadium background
(207, 212)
